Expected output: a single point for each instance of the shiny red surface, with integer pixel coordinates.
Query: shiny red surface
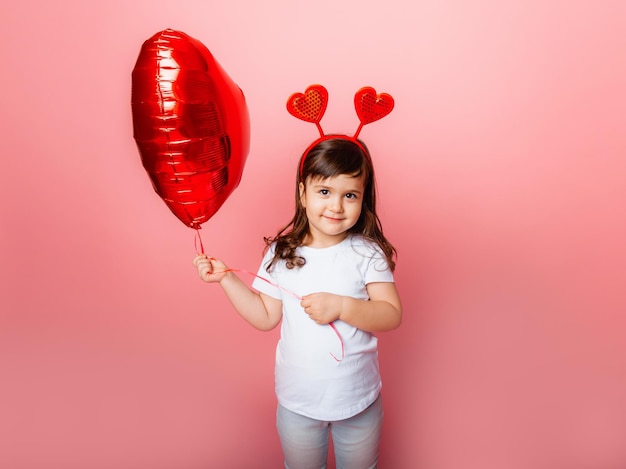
(191, 125)
(371, 106)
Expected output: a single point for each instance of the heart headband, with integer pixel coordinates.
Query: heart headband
(310, 106)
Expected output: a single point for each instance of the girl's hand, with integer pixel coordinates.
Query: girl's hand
(323, 308)
(210, 269)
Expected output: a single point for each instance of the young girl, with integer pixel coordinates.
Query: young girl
(328, 276)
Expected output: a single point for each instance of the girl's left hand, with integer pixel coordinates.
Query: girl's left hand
(323, 308)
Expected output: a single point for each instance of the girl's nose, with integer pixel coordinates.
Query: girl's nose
(336, 204)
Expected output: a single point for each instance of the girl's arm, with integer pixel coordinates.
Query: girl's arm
(382, 312)
(260, 311)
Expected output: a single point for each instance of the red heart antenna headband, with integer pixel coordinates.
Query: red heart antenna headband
(310, 106)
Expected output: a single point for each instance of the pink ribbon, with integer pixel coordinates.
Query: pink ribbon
(331, 324)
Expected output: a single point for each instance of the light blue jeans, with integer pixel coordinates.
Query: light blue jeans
(305, 440)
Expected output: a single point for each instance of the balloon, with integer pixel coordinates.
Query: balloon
(190, 123)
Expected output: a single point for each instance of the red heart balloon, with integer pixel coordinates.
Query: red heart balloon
(370, 106)
(190, 123)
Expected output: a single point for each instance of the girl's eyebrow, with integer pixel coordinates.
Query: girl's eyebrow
(324, 186)
(320, 186)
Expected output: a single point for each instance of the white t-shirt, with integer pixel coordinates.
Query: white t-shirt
(309, 381)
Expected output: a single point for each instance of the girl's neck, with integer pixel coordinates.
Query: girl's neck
(320, 242)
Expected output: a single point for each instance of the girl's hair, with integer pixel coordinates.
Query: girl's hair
(332, 157)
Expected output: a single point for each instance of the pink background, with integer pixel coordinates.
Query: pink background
(502, 177)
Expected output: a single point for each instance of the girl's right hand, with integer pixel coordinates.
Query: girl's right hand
(210, 269)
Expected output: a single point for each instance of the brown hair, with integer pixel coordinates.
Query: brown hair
(332, 157)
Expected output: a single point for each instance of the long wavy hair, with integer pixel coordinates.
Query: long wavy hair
(328, 158)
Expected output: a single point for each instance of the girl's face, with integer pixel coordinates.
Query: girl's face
(332, 206)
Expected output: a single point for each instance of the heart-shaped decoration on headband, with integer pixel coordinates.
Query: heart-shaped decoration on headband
(371, 106)
(309, 106)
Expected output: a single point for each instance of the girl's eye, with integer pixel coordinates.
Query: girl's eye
(324, 191)
(351, 196)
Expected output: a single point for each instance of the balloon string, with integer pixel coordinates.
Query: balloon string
(343, 352)
(259, 277)
(331, 324)
(198, 239)
(195, 241)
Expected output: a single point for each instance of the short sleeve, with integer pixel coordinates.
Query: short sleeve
(377, 268)
(264, 282)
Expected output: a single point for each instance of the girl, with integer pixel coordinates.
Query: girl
(328, 276)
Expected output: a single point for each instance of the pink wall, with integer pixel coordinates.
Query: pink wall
(503, 183)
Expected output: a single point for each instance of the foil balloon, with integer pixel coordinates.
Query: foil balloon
(190, 123)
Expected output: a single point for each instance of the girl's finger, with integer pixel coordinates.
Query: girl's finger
(198, 258)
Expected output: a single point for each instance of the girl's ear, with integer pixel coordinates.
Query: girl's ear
(302, 194)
